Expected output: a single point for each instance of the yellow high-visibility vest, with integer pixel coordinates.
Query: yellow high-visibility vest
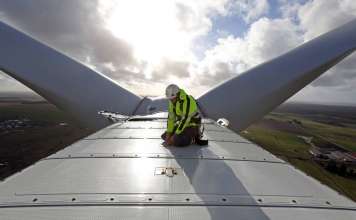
(180, 114)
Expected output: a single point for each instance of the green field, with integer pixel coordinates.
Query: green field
(281, 141)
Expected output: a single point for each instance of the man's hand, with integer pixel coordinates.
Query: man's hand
(168, 136)
(169, 139)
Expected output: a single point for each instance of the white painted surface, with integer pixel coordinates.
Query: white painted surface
(224, 180)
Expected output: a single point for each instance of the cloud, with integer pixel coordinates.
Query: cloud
(265, 39)
(194, 17)
(319, 16)
(217, 72)
(289, 9)
(80, 29)
(342, 75)
(171, 68)
(252, 10)
(155, 46)
(77, 27)
(329, 14)
(74, 27)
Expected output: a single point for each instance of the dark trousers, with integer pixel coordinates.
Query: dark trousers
(185, 138)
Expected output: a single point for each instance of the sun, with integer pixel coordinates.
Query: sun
(151, 27)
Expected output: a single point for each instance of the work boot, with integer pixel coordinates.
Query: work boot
(201, 142)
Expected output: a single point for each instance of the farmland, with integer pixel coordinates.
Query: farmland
(280, 133)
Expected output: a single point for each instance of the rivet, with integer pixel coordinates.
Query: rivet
(73, 199)
(111, 199)
(294, 201)
(327, 202)
(91, 155)
(149, 199)
(187, 199)
(259, 200)
(223, 199)
(34, 200)
(244, 158)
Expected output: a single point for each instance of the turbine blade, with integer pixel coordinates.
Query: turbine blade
(249, 96)
(66, 83)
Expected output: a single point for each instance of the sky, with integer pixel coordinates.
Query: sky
(145, 45)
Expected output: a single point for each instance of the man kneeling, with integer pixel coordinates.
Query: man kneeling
(183, 118)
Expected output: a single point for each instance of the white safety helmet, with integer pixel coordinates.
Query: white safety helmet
(172, 91)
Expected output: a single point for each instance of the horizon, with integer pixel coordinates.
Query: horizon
(36, 97)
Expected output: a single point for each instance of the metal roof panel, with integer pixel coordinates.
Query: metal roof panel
(126, 165)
